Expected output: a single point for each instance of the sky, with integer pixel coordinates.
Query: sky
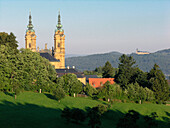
(91, 26)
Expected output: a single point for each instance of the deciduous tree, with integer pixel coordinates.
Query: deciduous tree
(129, 120)
(59, 93)
(89, 90)
(72, 84)
(107, 91)
(8, 39)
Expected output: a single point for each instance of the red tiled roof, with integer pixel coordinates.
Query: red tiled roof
(99, 82)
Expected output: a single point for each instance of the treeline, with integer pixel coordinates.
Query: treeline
(106, 71)
(132, 82)
(131, 77)
(24, 70)
(144, 62)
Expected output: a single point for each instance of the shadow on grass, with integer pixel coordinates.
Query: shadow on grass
(111, 118)
(17, 115)
(9, 94)
(49, 96)
(167, 113)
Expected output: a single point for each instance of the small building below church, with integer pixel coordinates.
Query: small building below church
(80, 75)
(99, 82)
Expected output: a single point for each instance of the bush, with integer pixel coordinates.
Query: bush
(101, 109)
(66, 113)
(78, 115)
(129, 120)
(150, 120)
(75, 115)
(59, 93)
(95, 114)
(137, 93)
(89, 90)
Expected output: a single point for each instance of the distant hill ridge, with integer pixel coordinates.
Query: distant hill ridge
(145, 62)
(164, 51)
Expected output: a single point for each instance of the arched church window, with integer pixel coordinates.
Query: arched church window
(58, 44)
(29, 45)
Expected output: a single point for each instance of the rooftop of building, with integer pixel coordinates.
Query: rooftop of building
(61, 72)
(90, 76)
(142, 51)
(99, 82)
(49, 57)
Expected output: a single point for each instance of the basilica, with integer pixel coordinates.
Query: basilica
(56, 55)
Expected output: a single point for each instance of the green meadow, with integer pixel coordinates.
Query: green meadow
(33, 110)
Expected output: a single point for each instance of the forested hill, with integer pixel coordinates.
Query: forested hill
(145, 62)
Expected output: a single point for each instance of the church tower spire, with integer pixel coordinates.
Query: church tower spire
(59, 44)
(30, 37)
(30, 26)
(59, 26)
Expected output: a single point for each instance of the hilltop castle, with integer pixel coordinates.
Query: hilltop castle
(56, 56)
(141, 52)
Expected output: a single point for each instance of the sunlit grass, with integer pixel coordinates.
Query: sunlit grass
(41, 110)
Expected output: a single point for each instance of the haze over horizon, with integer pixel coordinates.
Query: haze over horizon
(92, 26)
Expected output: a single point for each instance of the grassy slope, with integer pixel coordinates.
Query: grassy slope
(39, 110)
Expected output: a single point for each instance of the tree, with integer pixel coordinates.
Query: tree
(126, 70)
(107, 91)
(75, 115)
(7, 68)
(129, 120)
(138, 93)
(158, 84)
(89, 90)
(140, 77)
(149, 94)
(78, 115)
(101, 109)
(9, 40)
(99, 69)
(66, 113)
(16, 89)
(95, 114)
(108, 70)
(118, 92)
(71, 84)
(150, 120)
(32, 71)
(95, 118)
(59, 93)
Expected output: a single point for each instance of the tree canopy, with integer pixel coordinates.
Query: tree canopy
(158, 84)
(27, 68)
(70, 84)
(108, 70)
(126, 70)
(9, 40)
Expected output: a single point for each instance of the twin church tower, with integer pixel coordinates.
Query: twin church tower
(57, 55)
